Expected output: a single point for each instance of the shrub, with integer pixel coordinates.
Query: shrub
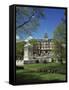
(19, 67)
(37, 61)
(44, 61)
(53, 60)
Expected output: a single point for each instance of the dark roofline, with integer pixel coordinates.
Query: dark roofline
(43, 39)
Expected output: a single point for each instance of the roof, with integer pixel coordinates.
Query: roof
(44, 40)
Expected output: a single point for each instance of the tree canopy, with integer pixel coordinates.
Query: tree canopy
(19, 50)
(60, 32)
(27, 19)
(33, 41)
(60, 42)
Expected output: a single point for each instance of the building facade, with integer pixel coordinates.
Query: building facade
(43, 50)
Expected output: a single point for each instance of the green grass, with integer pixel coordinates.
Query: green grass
(50, 71)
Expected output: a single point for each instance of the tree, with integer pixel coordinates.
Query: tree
(60, 42)
(27, 19)
(33, 41)
(20, 50)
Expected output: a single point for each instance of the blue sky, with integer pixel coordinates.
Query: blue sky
(49, 23)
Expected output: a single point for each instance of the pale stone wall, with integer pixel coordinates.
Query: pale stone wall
(19, 62)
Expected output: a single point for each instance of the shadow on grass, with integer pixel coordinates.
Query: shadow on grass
(45, 73)
(39, 76)
(27, 76)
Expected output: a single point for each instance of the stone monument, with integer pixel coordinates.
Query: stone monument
(28, 52)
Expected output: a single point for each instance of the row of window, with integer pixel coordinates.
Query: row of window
(45, 46)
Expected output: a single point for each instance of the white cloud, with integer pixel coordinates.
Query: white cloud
(29, 38)
(17, 37)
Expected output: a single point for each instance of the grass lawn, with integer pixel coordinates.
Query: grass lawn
(50, 71)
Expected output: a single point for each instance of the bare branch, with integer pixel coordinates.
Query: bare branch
(25, 21)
